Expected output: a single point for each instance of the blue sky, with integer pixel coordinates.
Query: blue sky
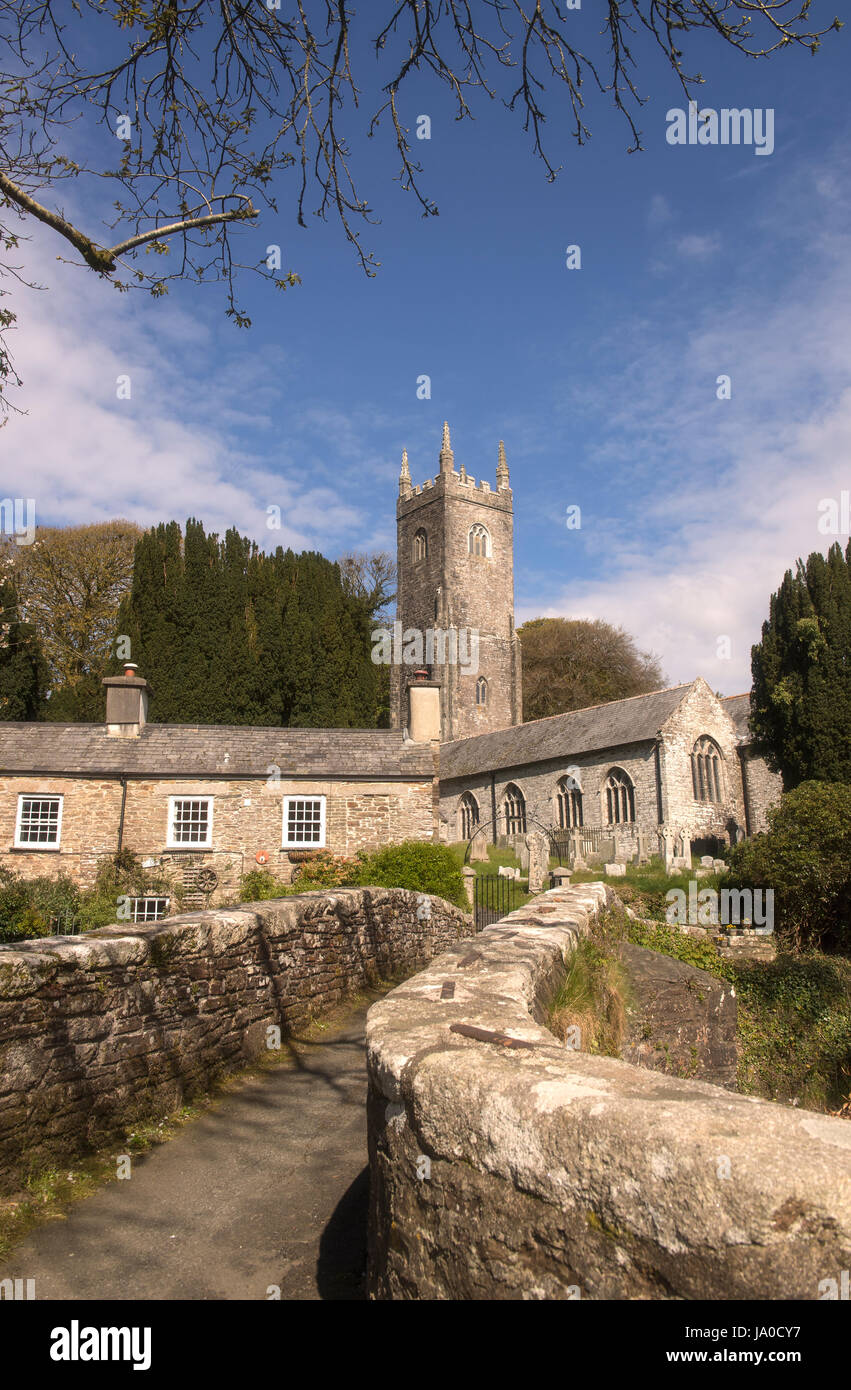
(696, 261)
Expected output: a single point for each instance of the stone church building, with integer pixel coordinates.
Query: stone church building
(668, 772)
(671, 771)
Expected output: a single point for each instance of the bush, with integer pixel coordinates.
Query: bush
(36, 906)
(415, 864)
(260, 884)
(795, 1029)
(31, 907)
(805, 857)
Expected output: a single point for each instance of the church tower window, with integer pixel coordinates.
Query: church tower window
(481, 691)
(420, 545)
(479, 540)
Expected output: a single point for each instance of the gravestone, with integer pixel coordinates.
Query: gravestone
(478, 850)
(538, 849)
(615, 870)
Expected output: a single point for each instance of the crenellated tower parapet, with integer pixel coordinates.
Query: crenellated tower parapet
(455, 555)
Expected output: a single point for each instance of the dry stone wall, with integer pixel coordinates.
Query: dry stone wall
(125, 1023)
(504, 1166)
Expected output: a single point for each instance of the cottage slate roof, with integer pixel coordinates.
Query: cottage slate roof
(635, 720)
(739, 707)
(195, 751)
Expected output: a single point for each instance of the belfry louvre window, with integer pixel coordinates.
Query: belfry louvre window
(514, 810)
(706, 770)
(148, 909)
(569, 804)
(468, 811)
(39, 822)
(620, 798)
(479, 540)
(304, 822)
(420, 544)
(481, 691)
(190, 821)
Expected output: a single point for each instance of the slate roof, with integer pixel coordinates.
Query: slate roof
(620, 722)
(739, 707)
(195, 751)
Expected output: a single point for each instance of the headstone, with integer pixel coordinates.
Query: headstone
(478, 850)
(706, 861)
(719, 865)
(538, 849)
(562, 877)
(523, 854)
(615, 870)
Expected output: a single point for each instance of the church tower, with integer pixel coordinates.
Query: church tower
(455, 557)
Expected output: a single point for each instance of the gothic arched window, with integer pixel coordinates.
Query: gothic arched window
(481, 691)
(420, 544)
(514, 810)
(620, 798)
(468, 815)
(706, 770)
(479, 540)
(569, 804)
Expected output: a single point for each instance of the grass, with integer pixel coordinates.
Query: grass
(594, 999)
(498, 856)
(794, 1013)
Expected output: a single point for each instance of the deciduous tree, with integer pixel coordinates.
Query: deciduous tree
(70, 583)
(569, 663)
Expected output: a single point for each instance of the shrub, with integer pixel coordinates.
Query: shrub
(323, 870)
(259, 884)
(805, 857)
(35, 906)
(415, 864)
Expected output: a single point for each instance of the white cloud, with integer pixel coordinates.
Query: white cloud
(697, 248)
(176, 448)
(722, 495)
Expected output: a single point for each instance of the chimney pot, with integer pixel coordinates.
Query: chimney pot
(126, 702)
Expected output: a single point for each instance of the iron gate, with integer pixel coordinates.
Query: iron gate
(494, 897)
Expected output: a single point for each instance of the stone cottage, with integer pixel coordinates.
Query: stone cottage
(203, 803)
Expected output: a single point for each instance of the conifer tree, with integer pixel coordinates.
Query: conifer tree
(227, 634)
(23, 669)
(801, 701)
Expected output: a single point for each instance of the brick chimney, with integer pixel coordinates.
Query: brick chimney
(423, 708)
(126, 703)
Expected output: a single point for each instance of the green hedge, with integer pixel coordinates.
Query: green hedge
(420, 866)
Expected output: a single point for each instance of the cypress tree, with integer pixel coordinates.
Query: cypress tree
(23, 669)
(227, 634)
(801, 701)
